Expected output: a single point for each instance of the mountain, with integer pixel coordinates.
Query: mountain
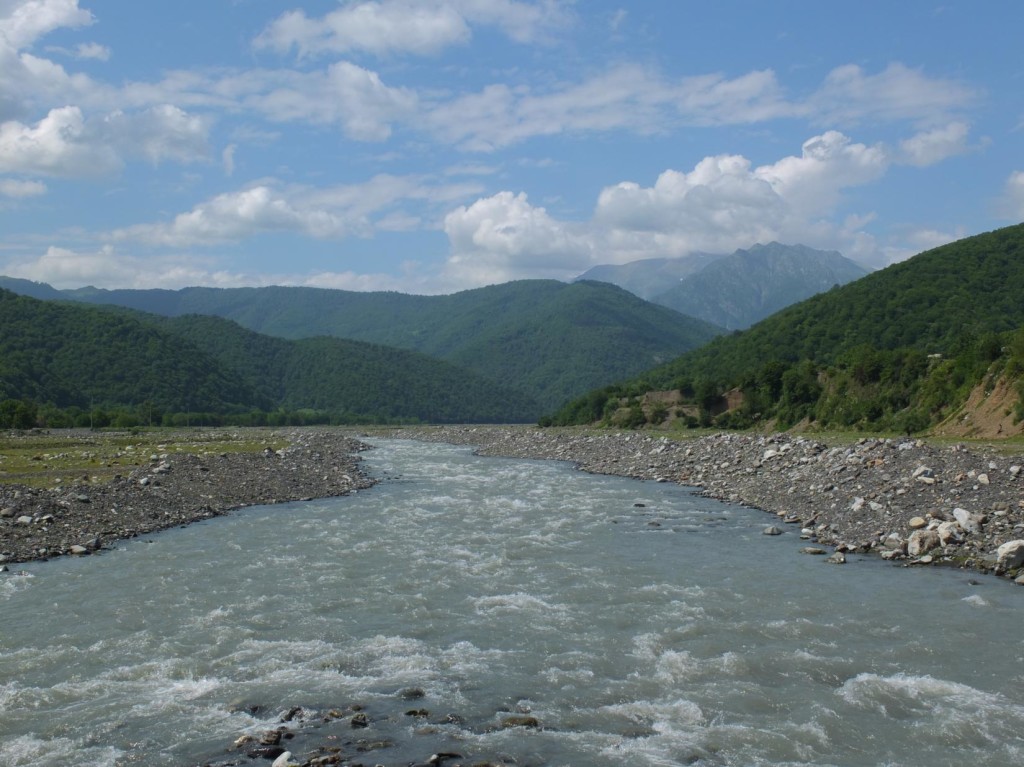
(73, 355)
(70, 355)
(738, 290)
(551, 340)
(908, 341)
(651, 276)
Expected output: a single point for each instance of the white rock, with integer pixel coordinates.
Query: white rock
(1010, 555)
(284, 760)
(983, 479)
(921, 542)
(970, 523)
(949, 532)
(23, 520)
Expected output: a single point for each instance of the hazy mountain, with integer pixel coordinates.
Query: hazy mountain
(738, 290)
(651, 276)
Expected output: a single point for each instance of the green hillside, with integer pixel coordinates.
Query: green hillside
(548, 339)
(351, 377)
(71, 355)
(67, 356)
(896, 348)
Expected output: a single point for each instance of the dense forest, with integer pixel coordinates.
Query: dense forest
(550, 340)
(62, 362)
(897, 349)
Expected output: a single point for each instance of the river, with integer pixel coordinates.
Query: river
(636, 623)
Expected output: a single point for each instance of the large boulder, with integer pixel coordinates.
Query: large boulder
(1010, 555)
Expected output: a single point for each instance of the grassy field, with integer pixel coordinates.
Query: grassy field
(48, 459)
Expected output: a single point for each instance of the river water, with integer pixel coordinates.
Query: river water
(637, 622)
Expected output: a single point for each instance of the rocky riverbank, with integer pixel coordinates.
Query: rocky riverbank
(902, 499)
(172, 489)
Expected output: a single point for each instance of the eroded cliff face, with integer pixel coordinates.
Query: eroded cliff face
(988, 413)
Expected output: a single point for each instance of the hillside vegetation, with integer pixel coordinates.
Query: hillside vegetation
(86, 362)
(547, 339)
(900, 348)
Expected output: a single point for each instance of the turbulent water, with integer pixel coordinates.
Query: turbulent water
(639, 623)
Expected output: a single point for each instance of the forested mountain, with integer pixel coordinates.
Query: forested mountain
(896, 348)
(73, 355)
(352, 377)
(733, 291)
(68, 355)
(738, 290)
(548, 339)
(650, 277)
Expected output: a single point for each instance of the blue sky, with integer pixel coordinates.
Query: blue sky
(439, 145)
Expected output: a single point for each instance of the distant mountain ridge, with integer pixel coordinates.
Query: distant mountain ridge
(737, 290)
(547, 339)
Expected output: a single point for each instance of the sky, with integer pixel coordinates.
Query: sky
(432, 146)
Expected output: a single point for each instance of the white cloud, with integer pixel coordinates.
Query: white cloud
(346, 94)
(1011, 204)
(625, 97)
(503, 237)
(850, 96)
(56, 146)
(227, 158)
(163, 132)
(722, 204)
(234, 216)
(932, 146)
(336, 212)
(10, 187)
(64, 144)
(420, 27)
(93, 51)
(22, 22)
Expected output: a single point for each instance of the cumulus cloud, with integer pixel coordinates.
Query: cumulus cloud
(56, 146)
(10, 187)
(64, 144)
(335, 212)
(503, 237)
(420, 27)
(25, 21)
(723, 203)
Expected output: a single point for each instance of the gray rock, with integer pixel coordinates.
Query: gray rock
(771, 530)
(24, 519)
(968, 521)
(813, 551)
(1010, 555)
(78, 551)
(922, 541)
(837, 558)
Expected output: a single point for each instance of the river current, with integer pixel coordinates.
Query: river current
(637, 622)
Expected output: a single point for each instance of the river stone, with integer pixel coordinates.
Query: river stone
(284, 760)
(24, 519)
(7, 513)
(922, 541)
(771, 530)
(78, 551)
(949, 532)
(837, 558)
(971, 523)
(1010, 555)
(916, 523)
(812, 551)
(520, 720)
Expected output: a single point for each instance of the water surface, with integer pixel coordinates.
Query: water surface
(640, 624)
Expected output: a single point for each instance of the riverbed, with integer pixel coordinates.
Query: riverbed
(504, 609)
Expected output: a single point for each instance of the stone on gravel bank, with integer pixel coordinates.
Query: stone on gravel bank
(175, 490)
